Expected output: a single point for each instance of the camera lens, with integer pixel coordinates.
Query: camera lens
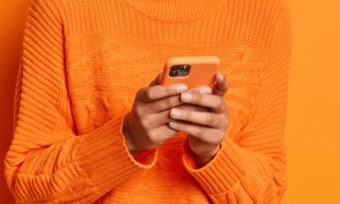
(174, 72)
(179, 70)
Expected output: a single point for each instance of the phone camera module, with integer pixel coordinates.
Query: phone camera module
(179, 70)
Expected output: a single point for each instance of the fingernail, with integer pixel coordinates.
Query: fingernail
(219, 77)
(175, 113)
(173, 124)
(181, 88)
(205, 91)
(186, 96)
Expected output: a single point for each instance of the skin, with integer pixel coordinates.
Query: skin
(203, 117)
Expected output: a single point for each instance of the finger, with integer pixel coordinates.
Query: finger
(162, 133)
(164, 104)
(222, 85)
(216, 103)
(192, 107)
(200, 90)
(175, 101)
(201, 118)
(157, 80)
(207, 134)
(158, 119)
(155, 92)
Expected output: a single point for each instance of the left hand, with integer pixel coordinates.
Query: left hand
(206, 129)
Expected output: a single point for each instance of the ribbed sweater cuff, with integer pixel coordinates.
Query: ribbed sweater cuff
(105, 157)
(221, 173)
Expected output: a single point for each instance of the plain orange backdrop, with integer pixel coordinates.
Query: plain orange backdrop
(313, 118)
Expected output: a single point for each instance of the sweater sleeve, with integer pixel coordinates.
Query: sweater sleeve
(254, 171)
(47, 161)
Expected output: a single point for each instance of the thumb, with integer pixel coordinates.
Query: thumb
(222, 85)
(157, 80)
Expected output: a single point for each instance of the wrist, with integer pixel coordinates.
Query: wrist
(127, 134)
(205, 159)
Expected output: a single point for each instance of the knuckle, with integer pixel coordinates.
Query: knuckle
(174, 101)
(210, 120)
(200, 132)
(219, 140)
(187, 115)
(219, 103)
(171, 89)
(227, 85)
(182, 127)
(152, 138)
(158, 106)
(138, 111)
(227, 108)
(220, 121)
(171, 102)
(226, 123)
(167, 103)
(199, 98)
(147, 123)
(149, 93)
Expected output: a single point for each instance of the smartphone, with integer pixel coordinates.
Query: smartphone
(193, 71)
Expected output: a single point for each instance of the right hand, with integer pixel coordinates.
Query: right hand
(146, 127)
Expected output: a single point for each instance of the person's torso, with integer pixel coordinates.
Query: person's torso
(113, 50)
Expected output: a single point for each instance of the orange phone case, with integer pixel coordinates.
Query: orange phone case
(203, 70)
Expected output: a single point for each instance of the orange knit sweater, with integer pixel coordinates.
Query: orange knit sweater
(83, 61)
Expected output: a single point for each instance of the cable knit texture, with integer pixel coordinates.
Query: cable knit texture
(83, 61)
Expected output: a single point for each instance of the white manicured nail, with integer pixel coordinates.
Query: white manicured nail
(173, 124)
(205, 91)
(181, 88)
(186, 96)
(175, 113)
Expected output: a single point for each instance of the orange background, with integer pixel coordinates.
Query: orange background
(313, 118)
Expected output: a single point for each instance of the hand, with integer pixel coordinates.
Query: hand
(206, 129)
(146, 127)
